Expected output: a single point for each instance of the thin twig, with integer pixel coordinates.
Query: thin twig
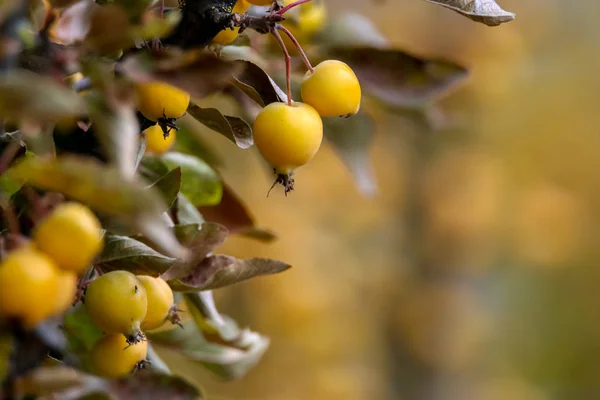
(8, 155)
(10, 216)
(290, 6)
(288, 64)
(298, 46)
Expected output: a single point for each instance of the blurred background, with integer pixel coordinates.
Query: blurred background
(473, 274)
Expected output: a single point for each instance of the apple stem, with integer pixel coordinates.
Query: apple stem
(290, 6)
(298, 46)
(288, 64)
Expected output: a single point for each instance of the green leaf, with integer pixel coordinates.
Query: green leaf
(186, 213)
(169, 185)
(399, 79)
(80, 331)
(232, 213)
(190, 140)
(231, 362)
(122, 252)
(235, 129)
(258, 85)
(237, 350)
(116, 126)
(220, 270)
(104, 189)
(351, 138)
(199, 182)
(20, 97)
(485, 11)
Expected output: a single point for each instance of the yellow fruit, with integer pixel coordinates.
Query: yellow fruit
(160, 301)
(156, 142)
(28, 286)
(332, 89)
(288, 137)
(113, 357)
(307, 19)
(67, 286)
(116, 302)
(71, 235)
(227, 36)
(159, 100)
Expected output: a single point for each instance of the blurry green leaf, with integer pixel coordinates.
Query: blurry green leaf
(232, 213)
(199, 182)
(235, 129)
(230, 362)
(207, 318)
(220, 270)
(351, 30)
(20, 97)
(399, 79)
(199, 73)
(169, 185)
(258, 85)
(242, 348)
(81, 333)
(485, 11)
(116, 126)
(122, 252)
(201, 241)
(185, 211)
(351, 138)
(190, 141)
(105, 190)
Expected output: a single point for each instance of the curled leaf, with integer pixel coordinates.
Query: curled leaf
(220, 270)
(125, 253)
(235, 129)
(20, 97)
(258, 85)
(485, 11)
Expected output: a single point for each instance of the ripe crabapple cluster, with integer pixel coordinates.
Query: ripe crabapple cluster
(62, 247)
(39, 279)
(122, 304)
(289, 134)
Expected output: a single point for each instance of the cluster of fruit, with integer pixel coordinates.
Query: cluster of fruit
(289, 135)
(39, 278)
(161, 103)
(122, 305)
